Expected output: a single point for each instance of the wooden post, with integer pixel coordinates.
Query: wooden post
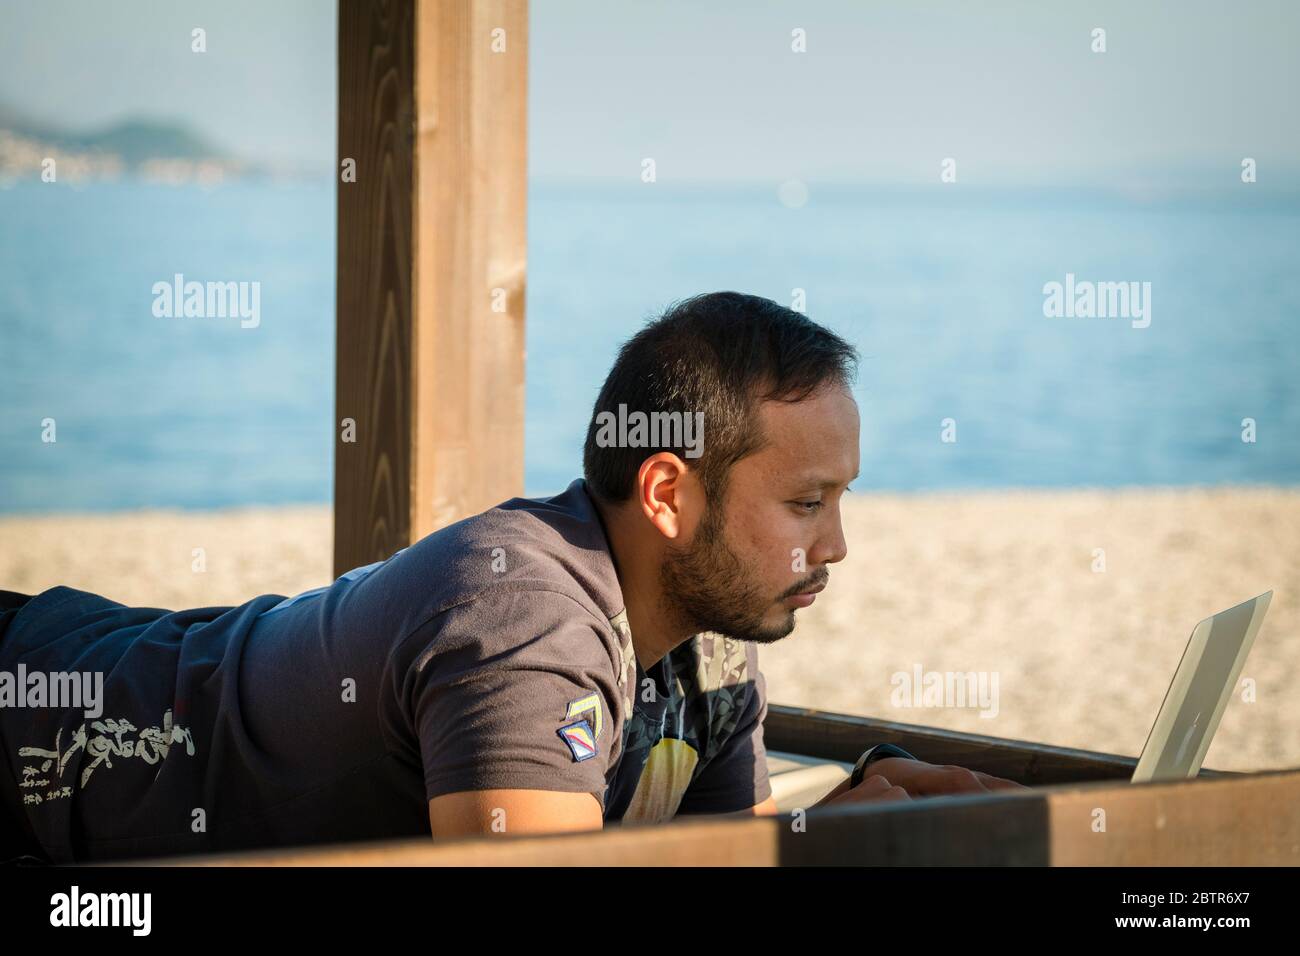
(429, 399)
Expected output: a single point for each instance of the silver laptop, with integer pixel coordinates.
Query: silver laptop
(1203, 684)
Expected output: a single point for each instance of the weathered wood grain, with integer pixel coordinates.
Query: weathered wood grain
(431, 245)
(1242, 820)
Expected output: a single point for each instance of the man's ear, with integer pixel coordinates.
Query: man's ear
(666, 494)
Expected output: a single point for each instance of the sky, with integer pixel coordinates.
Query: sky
(713, 92)
(264, 90)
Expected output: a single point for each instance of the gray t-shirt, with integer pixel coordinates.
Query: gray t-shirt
(494, 653)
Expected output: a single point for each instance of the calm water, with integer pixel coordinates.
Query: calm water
(941, 291)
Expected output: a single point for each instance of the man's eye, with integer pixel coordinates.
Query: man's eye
(808, 507)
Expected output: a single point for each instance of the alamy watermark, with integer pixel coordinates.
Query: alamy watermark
(922, 688)
(651, 430)
(75, 908)
(65, 690)
(1098, 300)
(209, 300)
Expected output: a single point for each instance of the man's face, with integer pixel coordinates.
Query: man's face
(751, 563)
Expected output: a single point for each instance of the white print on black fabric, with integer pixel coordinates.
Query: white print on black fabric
(110, 740)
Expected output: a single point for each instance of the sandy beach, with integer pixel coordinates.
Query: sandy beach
(1004, 584)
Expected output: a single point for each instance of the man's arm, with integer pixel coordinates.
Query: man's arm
(515, 732)
(477, 812)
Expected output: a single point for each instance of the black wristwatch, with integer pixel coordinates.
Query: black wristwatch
(875, 753)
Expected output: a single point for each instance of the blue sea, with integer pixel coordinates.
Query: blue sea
(941, 290)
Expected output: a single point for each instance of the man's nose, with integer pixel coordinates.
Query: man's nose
(833, 548)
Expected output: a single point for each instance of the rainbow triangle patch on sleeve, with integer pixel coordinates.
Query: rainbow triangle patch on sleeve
(581, 740)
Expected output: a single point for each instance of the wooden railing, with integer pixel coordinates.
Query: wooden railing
(1080, 812)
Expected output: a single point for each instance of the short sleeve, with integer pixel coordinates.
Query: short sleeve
(514, 692)
(736, 778)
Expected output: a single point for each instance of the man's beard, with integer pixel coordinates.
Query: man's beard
(706, 587)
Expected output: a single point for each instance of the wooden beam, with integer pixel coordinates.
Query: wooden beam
(1242, 820)
(843, 737)
(751, 842)
(431, 266)
(1236, 820)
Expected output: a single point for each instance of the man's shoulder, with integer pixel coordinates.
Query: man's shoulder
(552, 547)
(517, 630)
(531, 580)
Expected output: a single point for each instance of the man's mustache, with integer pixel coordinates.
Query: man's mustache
(820, 578)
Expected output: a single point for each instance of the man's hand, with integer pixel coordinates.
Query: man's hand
(897, 778)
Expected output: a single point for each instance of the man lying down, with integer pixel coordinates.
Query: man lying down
(552, 664)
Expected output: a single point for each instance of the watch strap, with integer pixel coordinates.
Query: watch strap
(878, 752)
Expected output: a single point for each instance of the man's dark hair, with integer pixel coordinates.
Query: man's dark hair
(720, 354)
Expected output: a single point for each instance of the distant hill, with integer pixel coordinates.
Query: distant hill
(138, 143)
(21, 125)
(139, 140)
